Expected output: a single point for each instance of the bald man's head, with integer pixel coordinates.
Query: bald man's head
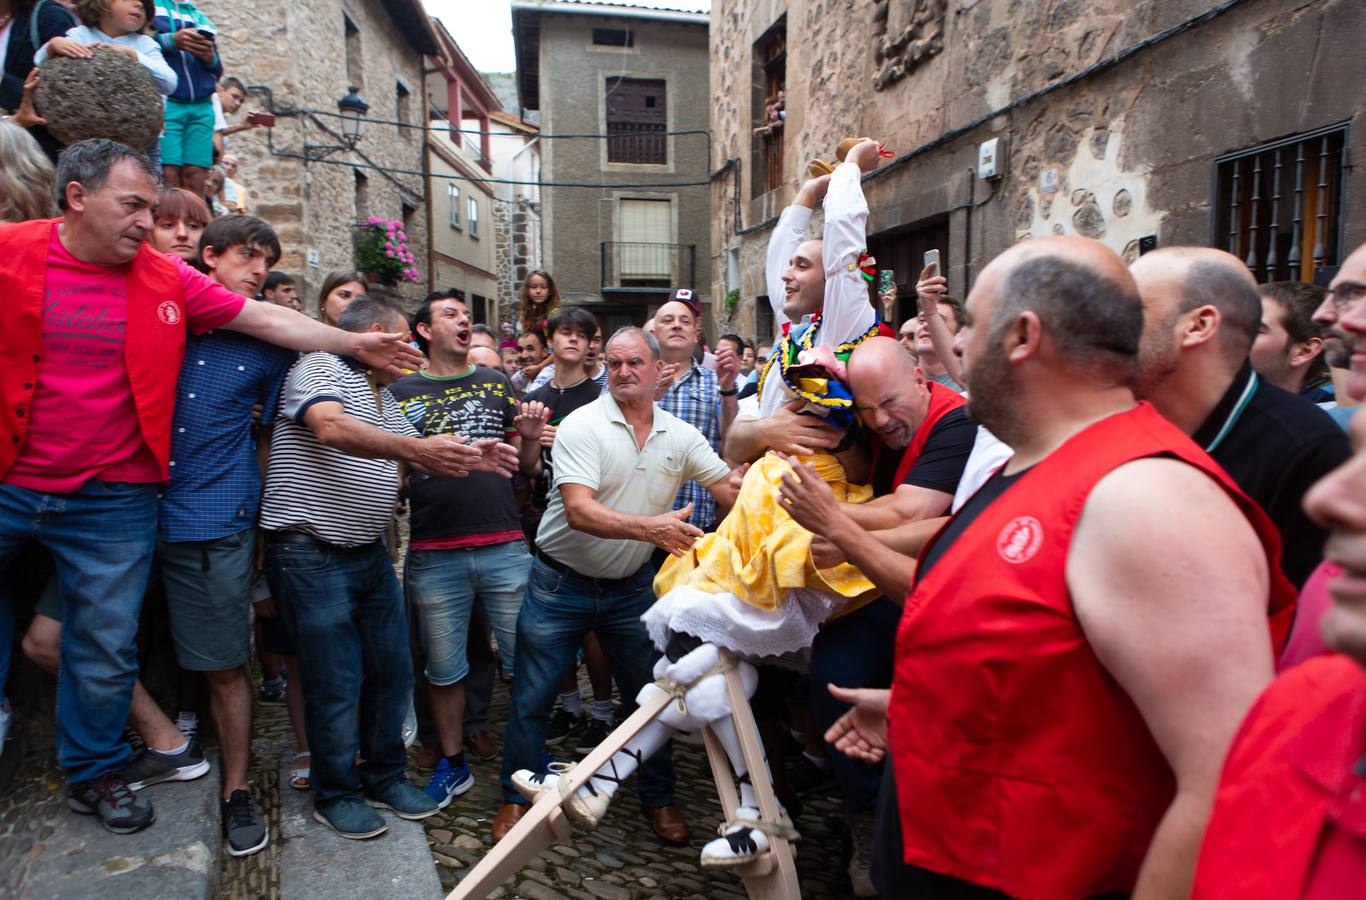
(890, 394)
(1175, 283)
(1082, 293)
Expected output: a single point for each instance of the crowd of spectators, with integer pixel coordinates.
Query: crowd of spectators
(1138, 468)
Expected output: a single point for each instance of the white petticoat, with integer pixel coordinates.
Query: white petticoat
(725, 620)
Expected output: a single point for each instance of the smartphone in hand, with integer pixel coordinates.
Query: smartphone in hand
(261, 118)
(932, 259)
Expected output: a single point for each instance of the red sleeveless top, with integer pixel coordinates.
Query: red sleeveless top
(1020, 763)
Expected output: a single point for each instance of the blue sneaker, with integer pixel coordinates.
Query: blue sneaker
(406, 801)
(447, 782)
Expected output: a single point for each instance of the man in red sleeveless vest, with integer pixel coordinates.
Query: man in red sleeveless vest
(922, 437)
(1085, 634)
(1289, 821)
(92, 335)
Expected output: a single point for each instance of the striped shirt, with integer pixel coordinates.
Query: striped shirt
(321, 491)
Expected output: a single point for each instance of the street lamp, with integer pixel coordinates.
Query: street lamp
(353, 110)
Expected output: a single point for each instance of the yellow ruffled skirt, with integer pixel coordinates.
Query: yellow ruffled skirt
(758, 553)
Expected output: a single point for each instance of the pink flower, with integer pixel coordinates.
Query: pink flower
(402, 236)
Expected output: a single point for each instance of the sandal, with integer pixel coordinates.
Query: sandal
(298, 775)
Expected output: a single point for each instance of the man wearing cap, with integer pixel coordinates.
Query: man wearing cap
(704, 399)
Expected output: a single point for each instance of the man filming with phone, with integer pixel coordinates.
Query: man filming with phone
(188, 40)
(929, 335)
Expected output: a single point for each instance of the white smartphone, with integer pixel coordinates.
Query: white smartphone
(932, 259)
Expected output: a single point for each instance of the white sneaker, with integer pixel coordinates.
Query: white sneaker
(586, 807)
(737, 845)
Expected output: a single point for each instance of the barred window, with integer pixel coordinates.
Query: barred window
(1278, 207)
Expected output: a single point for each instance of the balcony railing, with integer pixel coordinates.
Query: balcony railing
(636, 264)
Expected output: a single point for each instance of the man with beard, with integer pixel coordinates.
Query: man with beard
(1290, 816)
(1201, 315)
(1084, 635)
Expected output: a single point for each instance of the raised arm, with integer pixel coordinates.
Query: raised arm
(1170, 585)
(787, 235)
(846, 313)
(284, 327)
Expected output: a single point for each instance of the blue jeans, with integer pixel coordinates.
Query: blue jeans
(442, 586)
(558, 611)
(343, 609)
(854, 651)
(101, 538)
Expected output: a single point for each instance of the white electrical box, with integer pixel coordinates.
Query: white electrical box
(314, 259)
(990, 163)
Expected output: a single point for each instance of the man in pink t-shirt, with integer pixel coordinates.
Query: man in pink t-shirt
(92, 334)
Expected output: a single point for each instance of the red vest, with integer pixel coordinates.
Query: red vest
(1020, 763)
(1286, 785)
(153, 347)
(942, 402)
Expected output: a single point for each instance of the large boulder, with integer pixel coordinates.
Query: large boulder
(108, 96)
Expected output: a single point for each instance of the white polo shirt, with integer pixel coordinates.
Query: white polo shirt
(595, 447)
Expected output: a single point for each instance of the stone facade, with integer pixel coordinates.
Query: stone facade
(571, 74)
(1126, 151)
(298, 57)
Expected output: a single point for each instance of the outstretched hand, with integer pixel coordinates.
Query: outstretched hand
(495, 456)
(531, 420)
(861, 733)
(387, 352)
(672, 531)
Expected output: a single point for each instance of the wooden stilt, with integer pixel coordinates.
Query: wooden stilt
(771, 877)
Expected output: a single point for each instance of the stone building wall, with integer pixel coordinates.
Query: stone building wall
(1118, 155)
(298, 51)
(573, 74)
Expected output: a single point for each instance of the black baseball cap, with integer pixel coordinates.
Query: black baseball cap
(688, 297)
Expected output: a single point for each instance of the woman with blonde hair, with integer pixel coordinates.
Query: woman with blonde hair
(26, 176)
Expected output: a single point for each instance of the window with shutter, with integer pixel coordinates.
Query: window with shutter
(636, 121)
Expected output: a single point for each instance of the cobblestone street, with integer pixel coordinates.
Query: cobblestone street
(619, 861)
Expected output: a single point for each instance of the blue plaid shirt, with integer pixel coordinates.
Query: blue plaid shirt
(215, 486)
(695, 399)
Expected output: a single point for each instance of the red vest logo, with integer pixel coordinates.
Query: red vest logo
(169, 312)
(1019, 541)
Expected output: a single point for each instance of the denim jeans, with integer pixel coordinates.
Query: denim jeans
(442, 586)
(343, 609)
(101, 538)
(558, 611)
(478, 684)
(854, 651)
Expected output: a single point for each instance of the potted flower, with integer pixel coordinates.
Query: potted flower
(382, 252)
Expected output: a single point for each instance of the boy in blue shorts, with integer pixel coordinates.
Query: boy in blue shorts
(188, 41)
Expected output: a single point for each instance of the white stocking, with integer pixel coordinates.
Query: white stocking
(639, 748)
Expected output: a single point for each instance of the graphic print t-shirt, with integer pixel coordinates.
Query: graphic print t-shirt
(480, 508)
(83, 421)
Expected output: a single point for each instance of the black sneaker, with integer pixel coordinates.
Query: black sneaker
(594, 732)
(562, 726)
(243, 827)
(153, 767)
(120, 810)
(805, 776)
(272, 691)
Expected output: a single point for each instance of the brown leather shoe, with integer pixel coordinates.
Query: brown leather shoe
(481, 744)
(508, 815)
(669, 825)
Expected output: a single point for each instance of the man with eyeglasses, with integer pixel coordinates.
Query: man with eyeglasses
(1201, 313)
